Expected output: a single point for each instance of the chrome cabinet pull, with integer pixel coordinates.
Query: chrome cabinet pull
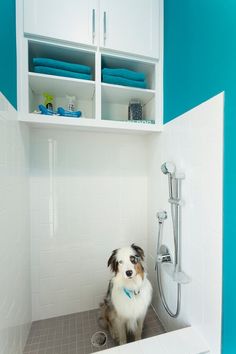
(104, 27)
(93, 25)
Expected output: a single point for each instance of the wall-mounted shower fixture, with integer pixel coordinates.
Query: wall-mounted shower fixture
(164, 260)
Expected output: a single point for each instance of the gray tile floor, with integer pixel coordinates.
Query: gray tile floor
(72, 334)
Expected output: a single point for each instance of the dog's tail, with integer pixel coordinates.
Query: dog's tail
(103, 319)
(106, 309)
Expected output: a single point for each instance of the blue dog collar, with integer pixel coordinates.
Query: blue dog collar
(130, 293)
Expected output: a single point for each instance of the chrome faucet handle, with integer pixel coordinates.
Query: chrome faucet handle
(163, 256)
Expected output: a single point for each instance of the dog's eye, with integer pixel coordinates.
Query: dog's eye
(120, 262)
(133, 259)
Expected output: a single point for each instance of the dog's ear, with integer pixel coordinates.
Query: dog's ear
(112, 262)
(138, 250)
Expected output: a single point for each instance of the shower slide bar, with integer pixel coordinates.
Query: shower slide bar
(163, 259)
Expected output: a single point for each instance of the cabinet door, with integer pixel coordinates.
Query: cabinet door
(130, 26)
(69, 20)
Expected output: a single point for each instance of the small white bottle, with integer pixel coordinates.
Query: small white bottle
(71, 103)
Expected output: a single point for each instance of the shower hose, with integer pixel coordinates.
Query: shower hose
(158, 265)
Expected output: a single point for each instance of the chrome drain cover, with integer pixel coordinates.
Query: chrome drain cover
(99, 339)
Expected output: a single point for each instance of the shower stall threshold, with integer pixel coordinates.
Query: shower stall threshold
(183, 341)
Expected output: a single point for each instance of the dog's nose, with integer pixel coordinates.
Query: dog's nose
(129, 273)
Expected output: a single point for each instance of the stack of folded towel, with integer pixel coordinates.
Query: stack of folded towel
(124, 77)
(61, 68)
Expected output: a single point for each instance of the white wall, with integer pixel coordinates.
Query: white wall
(194, 143)
(15, 293)
(91, 200)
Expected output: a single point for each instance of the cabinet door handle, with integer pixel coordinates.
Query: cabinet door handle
(93, 25)
(104, 27)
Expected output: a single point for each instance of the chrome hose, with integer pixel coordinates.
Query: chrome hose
(159, 277)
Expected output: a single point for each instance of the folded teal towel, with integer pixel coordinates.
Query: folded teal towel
(116, 80)
(58, 72)
(127, 74)
(57, 64)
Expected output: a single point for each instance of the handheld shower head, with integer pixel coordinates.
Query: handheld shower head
(168, 168)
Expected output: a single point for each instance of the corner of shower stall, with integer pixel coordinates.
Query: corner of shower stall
(194, 142)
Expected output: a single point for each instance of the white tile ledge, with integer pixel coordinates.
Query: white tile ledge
(183, 341)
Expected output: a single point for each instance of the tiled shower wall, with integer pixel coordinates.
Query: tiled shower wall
(194, 142)
(88, 197)
(15, 294)
(90, 194)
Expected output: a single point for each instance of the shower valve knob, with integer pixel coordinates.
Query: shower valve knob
(163, 255)
(162, 258)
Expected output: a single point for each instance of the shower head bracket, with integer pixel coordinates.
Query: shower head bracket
(179, 175)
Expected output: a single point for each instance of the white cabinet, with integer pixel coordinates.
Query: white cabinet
(100, 34)
(71, 20)
(130, 26)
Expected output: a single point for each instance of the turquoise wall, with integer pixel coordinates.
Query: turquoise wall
(200, 61)
(8, 51)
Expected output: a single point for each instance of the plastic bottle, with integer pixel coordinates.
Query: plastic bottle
(48, 100)
(71, 103)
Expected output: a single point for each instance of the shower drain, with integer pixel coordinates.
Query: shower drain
(99, 339)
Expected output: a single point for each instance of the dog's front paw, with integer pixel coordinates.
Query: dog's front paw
(137, 337)
(121, 342)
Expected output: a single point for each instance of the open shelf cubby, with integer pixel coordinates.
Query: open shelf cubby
(117, 62)
(115, 102)
(116, 98)
(58, 86)
(38, 49)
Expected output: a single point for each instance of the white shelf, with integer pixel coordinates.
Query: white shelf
(60, 86)
(42, 121)
(123, 94)
(104, 106)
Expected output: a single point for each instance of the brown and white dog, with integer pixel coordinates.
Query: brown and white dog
(129, 294)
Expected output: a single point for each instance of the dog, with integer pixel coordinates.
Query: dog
(128, 296)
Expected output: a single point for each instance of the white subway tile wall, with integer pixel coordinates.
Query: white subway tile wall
(194, 142)
(91, 193)
(88, 197)
(15, 293)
